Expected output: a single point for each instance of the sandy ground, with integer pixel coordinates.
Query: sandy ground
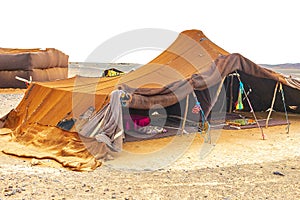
(237, 165)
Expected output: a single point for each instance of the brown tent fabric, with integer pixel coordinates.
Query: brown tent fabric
(42, 65)
(8, 77)
(53, 143)
(191, 63)
(28, 59)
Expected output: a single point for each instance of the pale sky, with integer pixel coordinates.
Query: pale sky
(266, 32)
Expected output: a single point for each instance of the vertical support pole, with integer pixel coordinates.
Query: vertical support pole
(285, 111)
(231, 94)
(272, 105)
(185, 114)
(252, 110)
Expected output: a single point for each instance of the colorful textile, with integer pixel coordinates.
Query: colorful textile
(239, 105)
(134, 122)
(196, 109)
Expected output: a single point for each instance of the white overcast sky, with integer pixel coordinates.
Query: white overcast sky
(267, 32)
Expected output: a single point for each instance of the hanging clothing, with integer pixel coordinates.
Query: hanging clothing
(107, 125)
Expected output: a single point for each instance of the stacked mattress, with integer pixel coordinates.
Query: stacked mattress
(42, 65)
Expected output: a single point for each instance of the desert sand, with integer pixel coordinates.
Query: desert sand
(238, 164)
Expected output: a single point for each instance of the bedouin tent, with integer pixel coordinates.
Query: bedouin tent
(191, 63)
(40, 64)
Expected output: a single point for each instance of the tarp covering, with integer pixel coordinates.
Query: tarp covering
(42, 65)
(191, 63)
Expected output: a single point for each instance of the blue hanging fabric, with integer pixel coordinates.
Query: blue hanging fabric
(239, 104)
(196, 109)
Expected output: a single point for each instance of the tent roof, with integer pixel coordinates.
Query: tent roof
(191, 62)
(190, 53)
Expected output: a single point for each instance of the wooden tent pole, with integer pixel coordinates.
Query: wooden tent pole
(231, 94)
(185, 113)
(219, 89)
(252, 110)
(285, 111)
(272, 105)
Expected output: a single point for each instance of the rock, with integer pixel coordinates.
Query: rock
(108, 157)
(6, 190)
(278, 173)
(13, 192)
(35, 162)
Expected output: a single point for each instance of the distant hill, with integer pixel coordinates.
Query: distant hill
(91, 69)
(286, 66)
(288, 69)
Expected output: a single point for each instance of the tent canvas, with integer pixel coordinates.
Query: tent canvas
(191, 63)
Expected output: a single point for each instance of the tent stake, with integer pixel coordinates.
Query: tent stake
(272, 105)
